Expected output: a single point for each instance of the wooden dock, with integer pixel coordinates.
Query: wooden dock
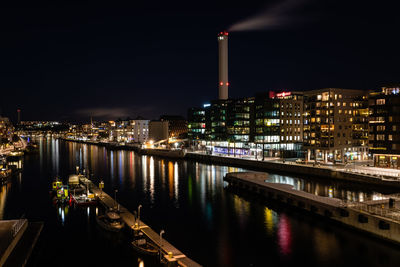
(171, 253)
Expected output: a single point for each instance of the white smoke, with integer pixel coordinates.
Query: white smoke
(275, 16)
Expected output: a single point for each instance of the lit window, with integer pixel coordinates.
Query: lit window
(380, 101)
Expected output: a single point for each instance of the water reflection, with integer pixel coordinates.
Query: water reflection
(284, 235)
(62, 212)
(270, 220)
(176, 183)
(242, 208)
(151, 171)
(328, 189)
(3, 198)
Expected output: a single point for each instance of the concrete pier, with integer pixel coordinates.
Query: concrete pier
(171, 253)
(17, 240)
(380, 218)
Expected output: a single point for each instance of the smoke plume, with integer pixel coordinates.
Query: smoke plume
(272, 17)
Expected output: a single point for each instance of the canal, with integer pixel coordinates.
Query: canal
(191, 203)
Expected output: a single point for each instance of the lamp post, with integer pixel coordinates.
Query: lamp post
(101, 186)
(161, 233)
(115, 198)
(139, 207)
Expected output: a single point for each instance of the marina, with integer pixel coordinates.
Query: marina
(168, 251)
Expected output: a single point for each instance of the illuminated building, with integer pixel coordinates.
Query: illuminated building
(196, 124)
(139, 130)
(239, 120)
(269, 122)
(177, 125)
(6, 129)
(216, 120)
(384, 126)
(279, 124)
(132, 131)
(330, 133)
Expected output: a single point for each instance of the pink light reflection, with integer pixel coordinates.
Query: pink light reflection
(284, 235)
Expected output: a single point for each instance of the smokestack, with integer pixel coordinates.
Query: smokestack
(223, 65)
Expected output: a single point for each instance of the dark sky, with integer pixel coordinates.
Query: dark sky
(64, 61)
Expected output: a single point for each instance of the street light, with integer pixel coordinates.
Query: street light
(101, 186)
(115, 198)
(139, 213)
(161, 233)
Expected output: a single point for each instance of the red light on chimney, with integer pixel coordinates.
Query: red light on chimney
(221, 83)
(227, 84)
(226, 33)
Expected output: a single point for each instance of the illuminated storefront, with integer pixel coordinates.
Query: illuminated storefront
(386, 161)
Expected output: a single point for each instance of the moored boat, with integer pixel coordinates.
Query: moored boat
(84, 200)
(111, 221)
(142, 245)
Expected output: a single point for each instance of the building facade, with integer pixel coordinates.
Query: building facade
(197, 124)
(158, 130)
(177, 125)
(329, 132)
(384, 126)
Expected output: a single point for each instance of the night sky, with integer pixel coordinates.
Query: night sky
(65, 61)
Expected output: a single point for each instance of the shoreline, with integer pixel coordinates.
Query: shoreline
(269, 166)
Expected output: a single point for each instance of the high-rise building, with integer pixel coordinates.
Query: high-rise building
(196, 124)
(279, 124)
(329, 133)
(384, 126)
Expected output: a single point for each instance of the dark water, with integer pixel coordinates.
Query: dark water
(190, 201)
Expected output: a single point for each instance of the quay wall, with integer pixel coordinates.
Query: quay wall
(334, 209)
(297, 169)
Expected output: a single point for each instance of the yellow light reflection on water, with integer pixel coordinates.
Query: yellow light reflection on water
(3, 197)
(242, 209)
(171, 179)
(269, 220)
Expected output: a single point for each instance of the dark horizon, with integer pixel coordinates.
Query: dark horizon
(71, 61)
